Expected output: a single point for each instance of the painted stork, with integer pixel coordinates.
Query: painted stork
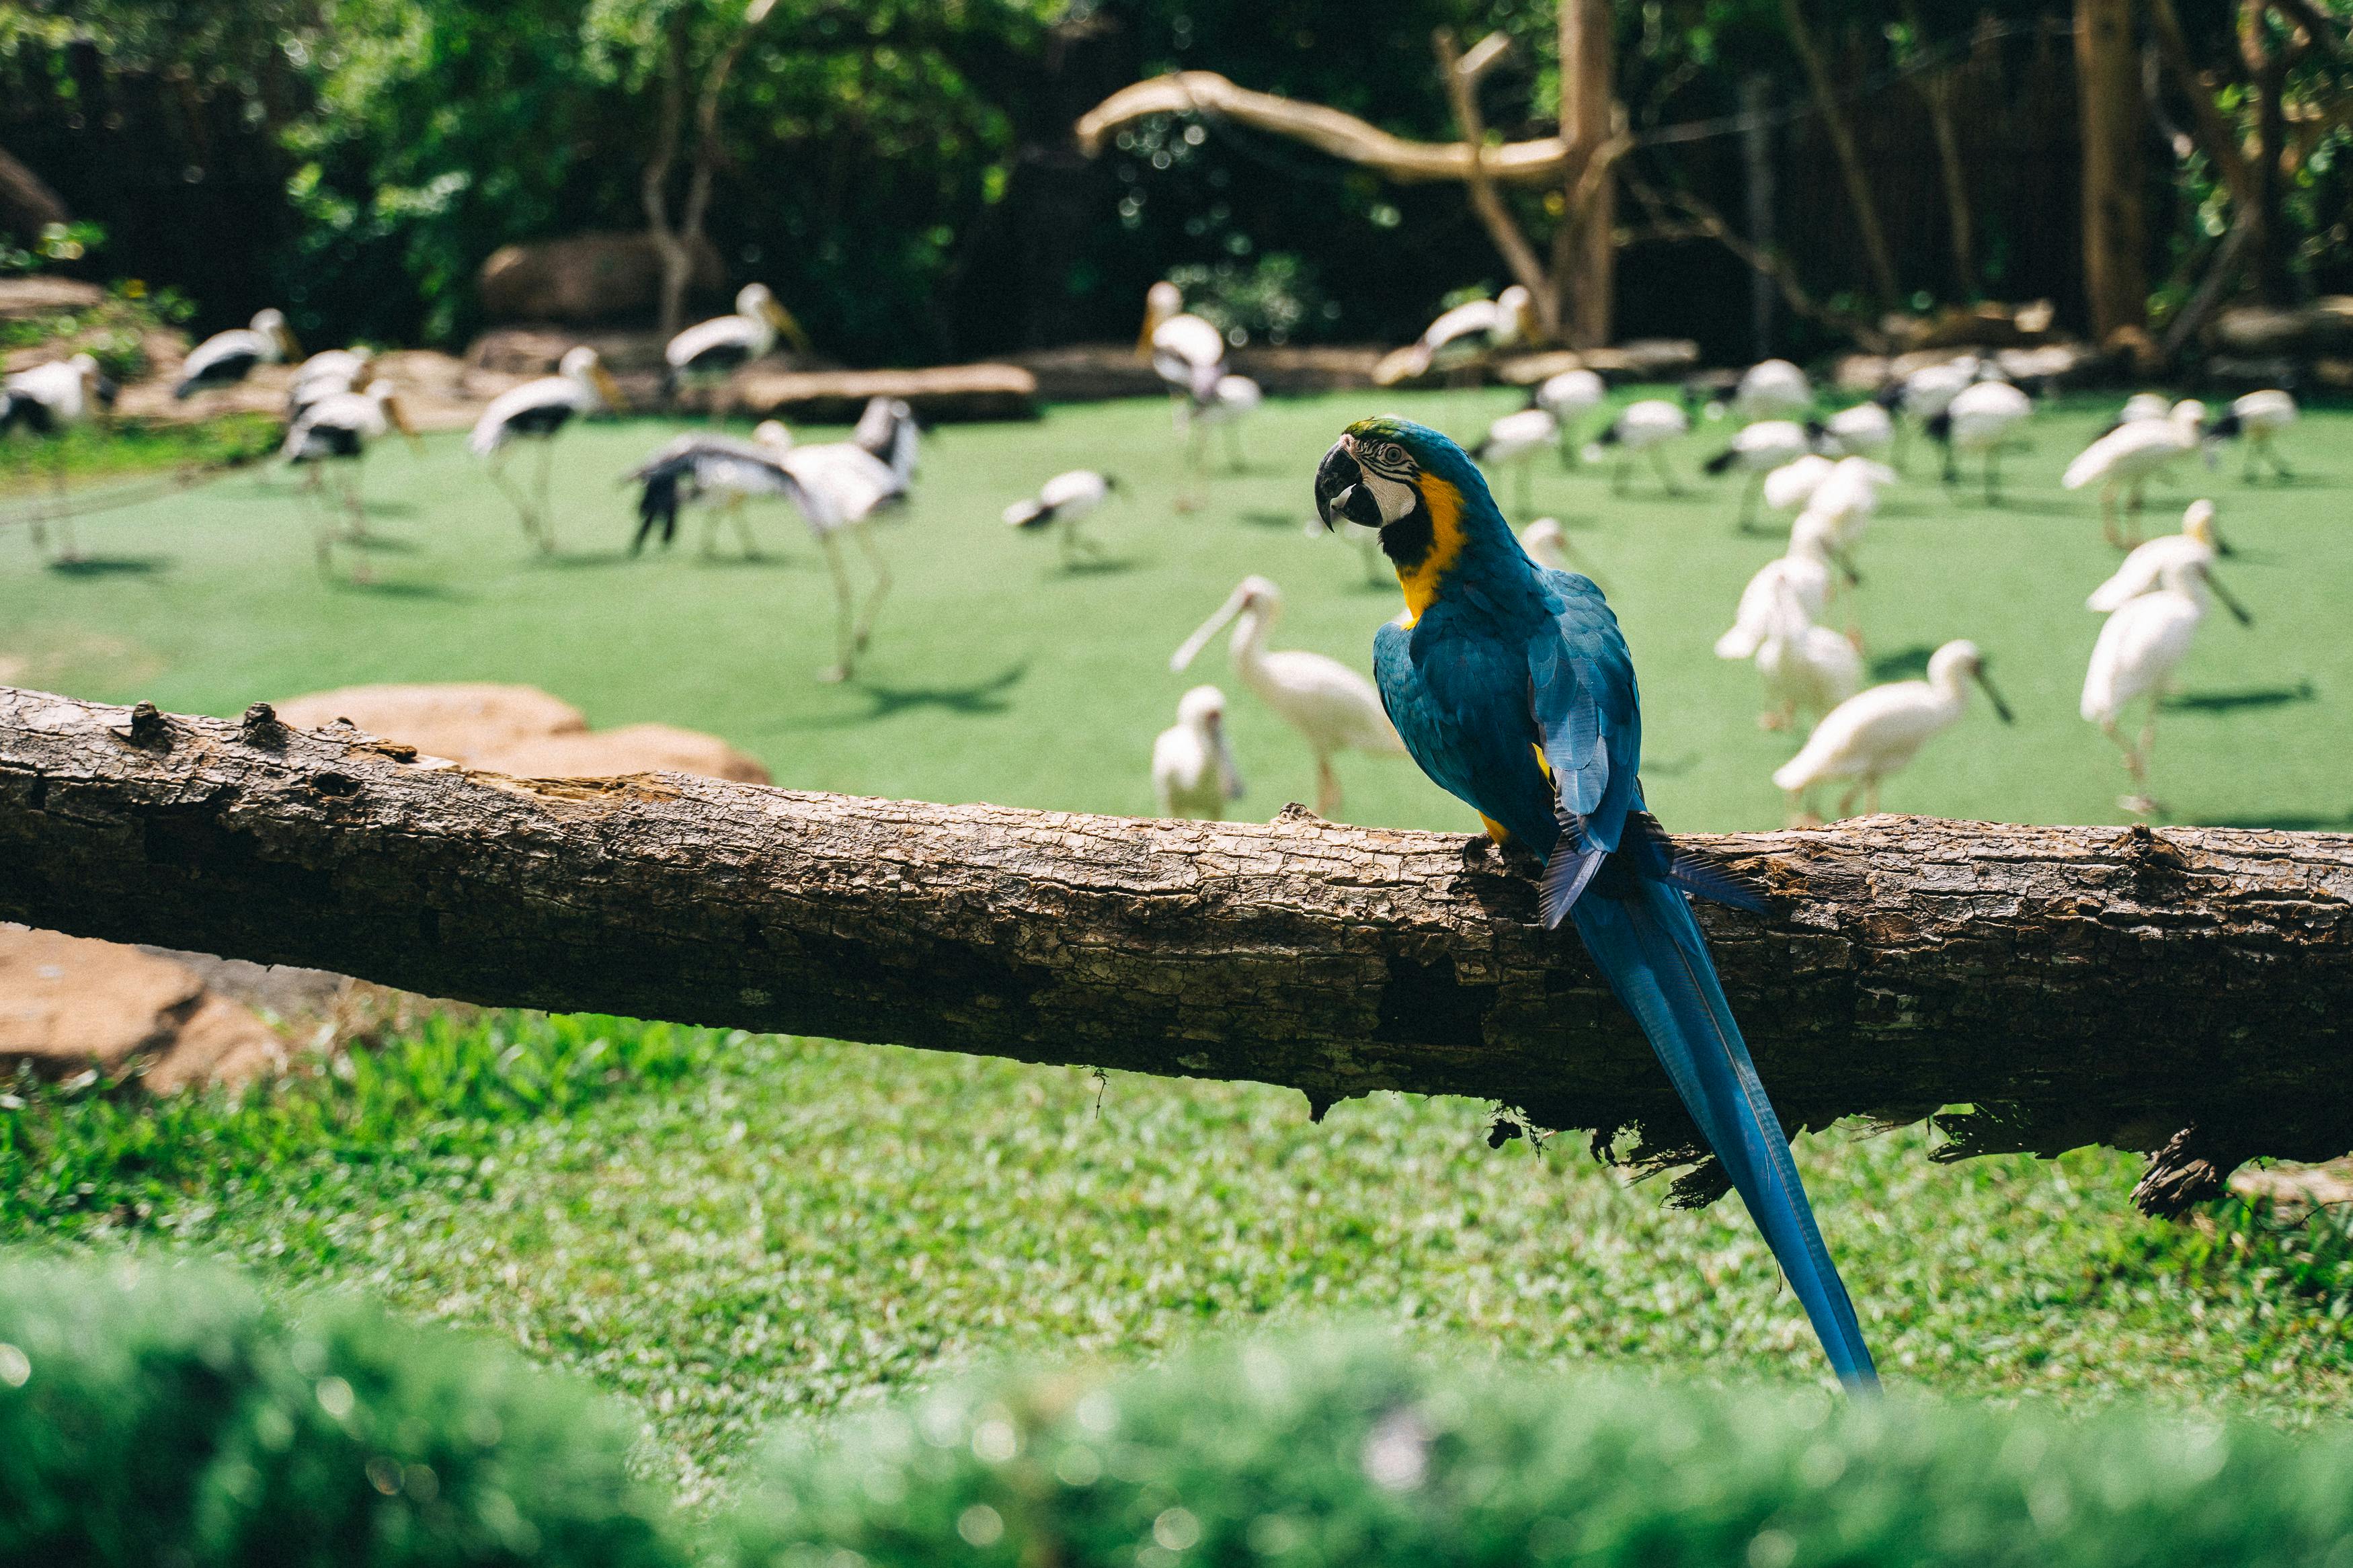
(710, 352)
(1756, 451)
(1772, 389)
(336, 430)
(1192, 767)
(1188, 354)
(536, 411)
(1061, 504)
(324, 374)
(718, 472)
(848, 483)
(2256, 419)
(1463, 335)
(226, 358)
(1644, 427)
(45, 402)
(1514, 440)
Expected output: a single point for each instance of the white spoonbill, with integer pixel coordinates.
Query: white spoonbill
(1462, 334)
(1804, 571)
(45, 402)
(1756, 451)
(2142, 569)
(335, 430)
(2136, 656)
(2256, 419)
(1978, 421)
(2138, 407)
(1192, 767)
(1928, 391)
(1644, 427)
(226, 358)
(1864, 430)
(1569, 398)
(1514, 441)
(536, 411)
(708, 353)
(2126, 458)
(1877, 732)
(1333, 707)
(1806, 668)
(1789, 487)
(1061, 504)
(1771, 389)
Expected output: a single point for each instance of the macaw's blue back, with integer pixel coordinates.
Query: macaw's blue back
(1512, 687)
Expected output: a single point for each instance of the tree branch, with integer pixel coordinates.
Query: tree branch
(1461, 78)
(2071, 985)
(1842, 135)
(1538, 162)
(1704, 222)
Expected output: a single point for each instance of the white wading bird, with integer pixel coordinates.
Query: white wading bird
(1569, 397)
(2138, 407)
(1188, 354)
(2127, 457)
(1805, 668)
(848, 483)
(2136, 656)
(336, 430)
(1192, 768)
(1978, 421)
(1061, 504)
(1789, 487)
(325, 373)
(1644, 427)
(1756, 451)
(2140, 572)
(1930, 390)
(1805, 571)
(226, 358)
(1333, 707)
(708, 353)
(1514, 441)
(1547, 544)
(535, 411)
(2256, 419)
(1463, 335)
(1864, 430)
(1877, 732)
(45, 402)
(1771, 389)
(718, 473)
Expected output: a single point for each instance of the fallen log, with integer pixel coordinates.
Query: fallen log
(2186, 991)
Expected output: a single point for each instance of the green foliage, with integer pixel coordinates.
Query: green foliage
(1269, 298)
(57, 243)
(1333, 1451)
(113, 331)
(158, 1415)
(2303, 1248)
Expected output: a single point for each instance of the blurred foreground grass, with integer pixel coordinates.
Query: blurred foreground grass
(732, 1228)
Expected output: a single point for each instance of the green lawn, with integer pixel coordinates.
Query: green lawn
(732, 1229)
(997, 675)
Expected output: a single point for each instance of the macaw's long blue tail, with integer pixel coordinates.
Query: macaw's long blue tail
(1649, 946)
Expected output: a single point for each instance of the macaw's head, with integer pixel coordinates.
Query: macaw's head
(1416, 487)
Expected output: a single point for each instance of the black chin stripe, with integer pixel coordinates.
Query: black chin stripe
(1408, 540)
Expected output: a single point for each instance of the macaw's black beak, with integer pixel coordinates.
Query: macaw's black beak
(1340, 490)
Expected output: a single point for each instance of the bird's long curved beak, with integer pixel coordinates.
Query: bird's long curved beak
(1340, 490)
(2223, 547)
(2230, 601)
(1193, 644)
(607, 388)
(289, 345)
(2001, 708)
(782, 320)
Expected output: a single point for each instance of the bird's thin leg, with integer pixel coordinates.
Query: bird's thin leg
(1993, 476)
(1748, 504)
(864, 534)
(1666, 475)
(1846, 801)
(1327, 788)
(741, 513)
(521, 502)
(64, 508)
(2108, 528)
(546, 512)
(1234, 449)
(1779, 718)
(2279, 465)
(1870, 796)
(1952, 465)
(361, 571)
(842, 608)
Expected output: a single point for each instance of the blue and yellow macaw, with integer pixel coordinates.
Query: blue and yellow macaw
(1512, 687)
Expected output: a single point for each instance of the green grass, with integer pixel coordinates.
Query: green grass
(732, 1229)
(997, 676)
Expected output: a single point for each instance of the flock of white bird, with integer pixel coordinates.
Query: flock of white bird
(1826, 474)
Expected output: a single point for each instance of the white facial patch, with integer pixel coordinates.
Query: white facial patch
(1394, 497)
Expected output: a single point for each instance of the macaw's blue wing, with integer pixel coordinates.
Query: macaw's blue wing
(1582, 698)
(1648, 945)
(1459, 704)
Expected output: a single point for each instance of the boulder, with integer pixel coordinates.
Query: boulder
(584, 277)
(2307, 332)
(457, 719)
(41, 294)
(70, 1004)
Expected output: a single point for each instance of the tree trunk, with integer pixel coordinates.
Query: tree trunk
(1842, 135)
(1461, 75)
(2071, 985)
(28, 206)
(1585, 250)
(677, 260)
(2107, 69)
(1937, 89)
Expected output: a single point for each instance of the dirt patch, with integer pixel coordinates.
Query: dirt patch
(612, 753)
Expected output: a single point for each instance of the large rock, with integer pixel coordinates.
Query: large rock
(948, 393)
(28, 299)
(519, 731)
(585, 278)
(68, 1005)
(456, 719)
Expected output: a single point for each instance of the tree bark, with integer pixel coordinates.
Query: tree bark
(653, 189)
(1842, 135)
(2189, 989)
(1462, 76)
(1585, 246)
(26, 204)
(2107, 69)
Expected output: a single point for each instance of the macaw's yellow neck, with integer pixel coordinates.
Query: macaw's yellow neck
(1420, 580)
